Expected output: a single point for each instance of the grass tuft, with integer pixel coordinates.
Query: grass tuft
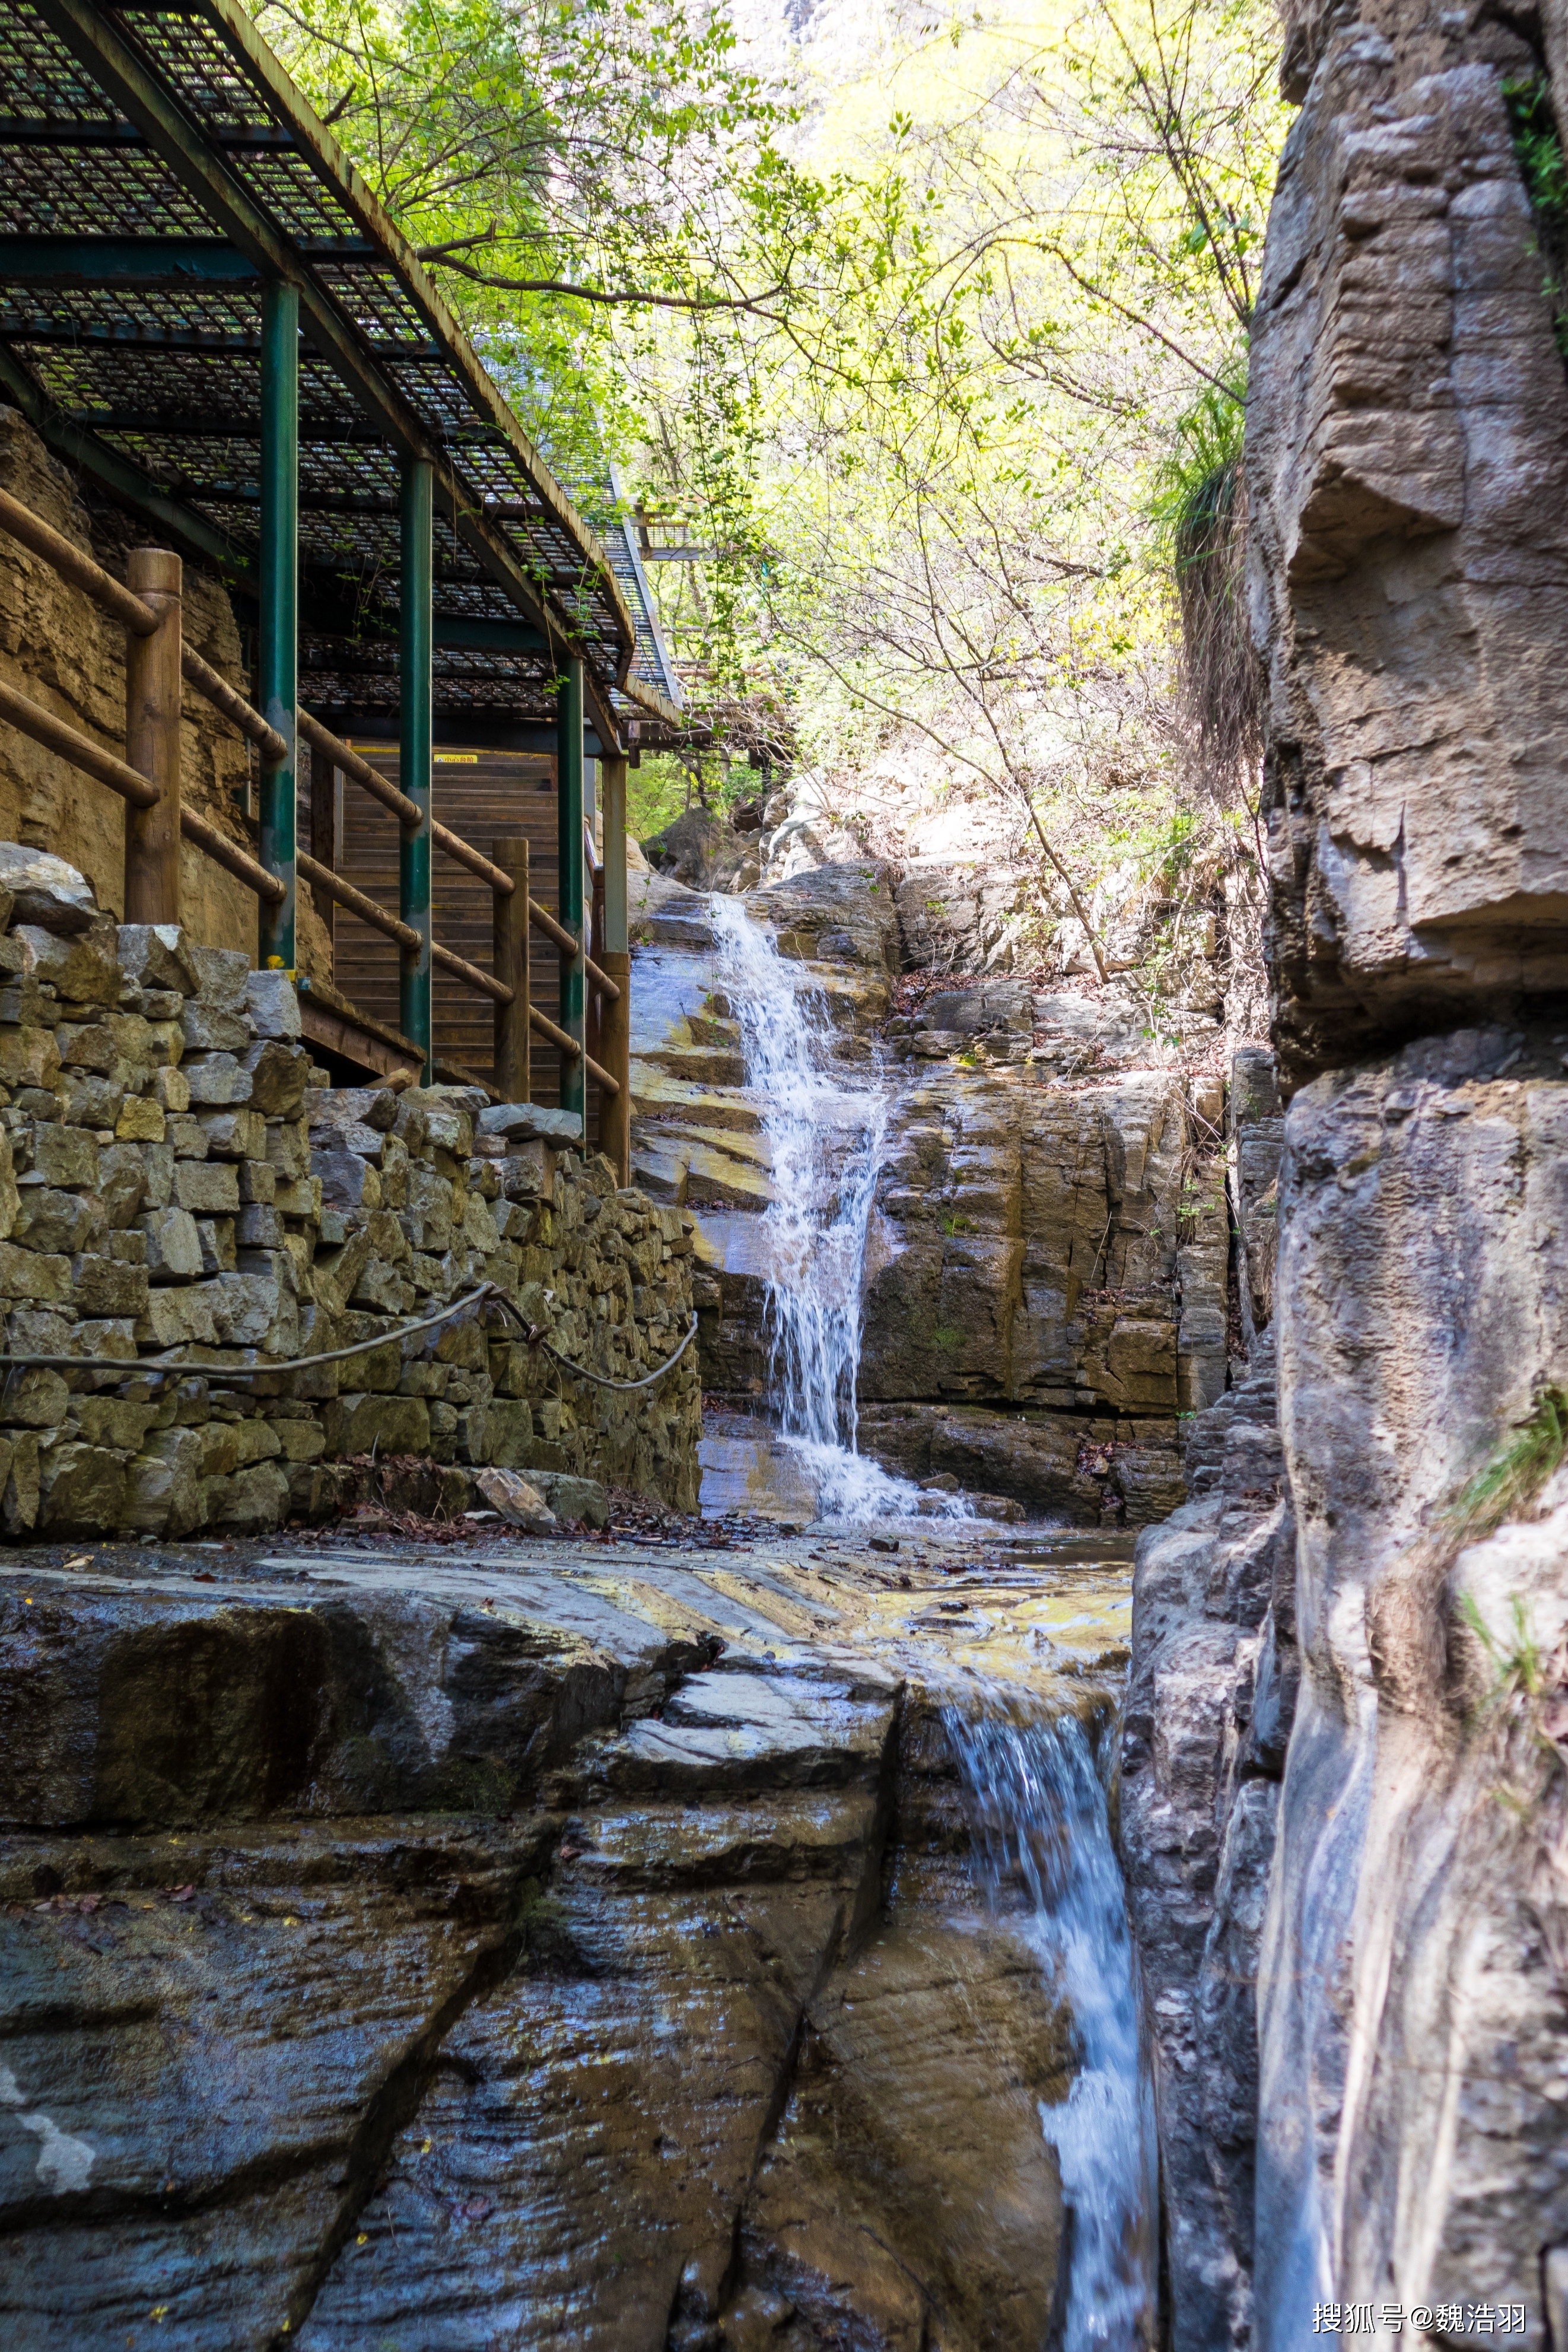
(1507, 1484)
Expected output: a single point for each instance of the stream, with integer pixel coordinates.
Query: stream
(1036, 1782)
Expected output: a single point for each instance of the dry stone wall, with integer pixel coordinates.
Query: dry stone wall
(174, 1184)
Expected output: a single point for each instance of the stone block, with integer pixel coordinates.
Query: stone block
(301, 1198)
(82, 1490)
(260, 1302)
(101, 1285)
(216, 1237)
(392, 1424)
(123, 1182)
(382, 1289)
(518, 1501)
(208, 1029)
(172, 1088)
(37, 1399)
(49, 1220)
(140, 1120)
(181, 1317)
(257, 1180)
(157, 955)
(218, 1079)
(250, 1502)
(300, 1440)
(260, 1227)
(157, 1168)
(221, 974)
(173, 1244)
(114, 1421)
(87, 1045)
(91, 1102)
(288, 1149)
(276, 1073)
(28, 1056)
(529, 1123)
(347, 1181)
(186, 1136)
(42, 889)
(160, 1498)
(511, 1430)
(66, 1156)
(80, 969)
(235, 1134)
(581, 1500)
(273, 1004)
(208, 1187)
(480, 1226)
(34, 1274)
(19, 1505)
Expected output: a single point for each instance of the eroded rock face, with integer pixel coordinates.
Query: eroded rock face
(1407, 471)
(1408, 459)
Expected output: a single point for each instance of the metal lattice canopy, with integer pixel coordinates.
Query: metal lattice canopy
(157, 168)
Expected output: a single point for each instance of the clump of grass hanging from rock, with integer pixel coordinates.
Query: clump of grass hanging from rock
(1200, 510)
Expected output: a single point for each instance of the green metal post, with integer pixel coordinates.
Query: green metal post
(569, 850)
(417, 760)
(279, 605)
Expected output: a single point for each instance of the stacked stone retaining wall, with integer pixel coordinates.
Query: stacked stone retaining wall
(175, 1186)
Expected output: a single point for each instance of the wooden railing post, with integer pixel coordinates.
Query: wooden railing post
(615, 1013)
(153, 740)
(568, 868)
(512, 1076)
(326, 827)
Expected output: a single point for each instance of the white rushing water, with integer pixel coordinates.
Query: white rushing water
(1040, 1825)
(826, 1131)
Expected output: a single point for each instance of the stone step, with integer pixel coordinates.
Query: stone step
(710, 1065)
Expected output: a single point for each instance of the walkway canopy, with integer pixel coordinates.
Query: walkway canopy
(198, 293)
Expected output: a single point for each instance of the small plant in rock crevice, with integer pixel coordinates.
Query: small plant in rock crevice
(1538, 149)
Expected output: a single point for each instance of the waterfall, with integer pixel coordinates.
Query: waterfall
(826, 1130)
(1040, 1825)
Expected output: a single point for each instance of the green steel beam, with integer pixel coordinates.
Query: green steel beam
(95, 39)
(280, 665)
(149, 260)
(416, 747)
(569, 853)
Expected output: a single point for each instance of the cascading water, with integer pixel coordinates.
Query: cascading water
(1041, 1823)
(826, 1128)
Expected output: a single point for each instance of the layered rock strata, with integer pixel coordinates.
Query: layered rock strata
(551, 1947)
(173, 1186)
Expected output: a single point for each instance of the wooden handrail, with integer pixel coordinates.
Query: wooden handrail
(221, 695)
(474, 859)
(321, 878)
(469, 973)
(71, 564)
(55, 735)
(569, 1044)
(239, 862)
(368, 779)
(543, 920)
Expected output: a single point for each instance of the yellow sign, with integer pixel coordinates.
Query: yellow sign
(457, 759)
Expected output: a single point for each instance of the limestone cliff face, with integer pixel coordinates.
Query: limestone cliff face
(1407, 455)
(1408, 474)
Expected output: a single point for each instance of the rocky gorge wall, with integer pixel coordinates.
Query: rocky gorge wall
(1396, 1876)
(175, 1183)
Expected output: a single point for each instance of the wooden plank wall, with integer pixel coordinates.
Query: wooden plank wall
(482, 795)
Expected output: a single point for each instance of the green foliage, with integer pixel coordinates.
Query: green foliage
(1518, 1666)
(1538, 145)
(1508, 1484)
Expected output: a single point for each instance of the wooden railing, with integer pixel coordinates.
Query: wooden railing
(148, 780)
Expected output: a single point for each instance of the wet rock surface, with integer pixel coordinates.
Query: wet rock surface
(561, 1943)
